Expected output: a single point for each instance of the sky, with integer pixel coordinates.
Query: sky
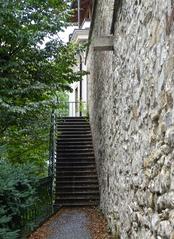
(64, 36)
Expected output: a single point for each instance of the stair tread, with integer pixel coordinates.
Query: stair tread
(74, 153)
(80, 168)
(76, 149)
(71, 136)
(75, 131)
(78, 153)
(78, 186)
(88, 141)
(74, 197)
(76, 159)
(71, 183)
(74, 166)
(75, 146)
(80, 204)
(76, 162)
(79, 171)
(72, 120)
(74, 140)
(78, 192)
(76, 176)
(74, 128)
(77, 167)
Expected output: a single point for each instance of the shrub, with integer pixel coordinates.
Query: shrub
(17, 193)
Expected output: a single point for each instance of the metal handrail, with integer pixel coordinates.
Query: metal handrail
(52, 153)
(52, 144)
(42, 209)
(72, 109)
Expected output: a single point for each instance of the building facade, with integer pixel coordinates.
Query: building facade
(78, 96)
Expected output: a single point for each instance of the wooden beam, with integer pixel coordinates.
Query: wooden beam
(104, 43)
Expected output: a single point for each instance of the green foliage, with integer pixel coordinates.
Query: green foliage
(28, 142)
(34, 66)
(31, 74)
(17, 193)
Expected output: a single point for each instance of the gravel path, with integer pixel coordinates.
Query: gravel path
(70, 225)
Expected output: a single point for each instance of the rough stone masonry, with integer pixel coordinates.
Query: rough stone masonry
(131, 106)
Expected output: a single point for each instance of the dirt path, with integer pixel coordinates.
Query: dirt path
(75, 223)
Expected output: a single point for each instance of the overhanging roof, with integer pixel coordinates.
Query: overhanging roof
(80, 35)
(84, 6)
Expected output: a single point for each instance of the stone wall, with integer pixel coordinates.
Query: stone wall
(131, 92)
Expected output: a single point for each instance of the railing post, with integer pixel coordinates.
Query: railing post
(52, 151)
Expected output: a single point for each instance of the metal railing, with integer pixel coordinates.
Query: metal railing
(52, 153)
(52, 145)
(72, 109)
(34, 215)
(42, 209)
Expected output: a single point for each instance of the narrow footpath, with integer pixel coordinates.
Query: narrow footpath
(74, 223)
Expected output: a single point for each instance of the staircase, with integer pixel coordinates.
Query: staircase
(76, 177)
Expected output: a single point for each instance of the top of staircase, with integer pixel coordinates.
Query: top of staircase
(73, 117)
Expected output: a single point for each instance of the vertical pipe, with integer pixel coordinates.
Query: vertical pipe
(81, 68)
(79, 14)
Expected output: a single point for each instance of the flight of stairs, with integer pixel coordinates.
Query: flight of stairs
(76, 176)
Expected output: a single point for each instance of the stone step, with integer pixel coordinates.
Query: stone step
(74, 140)
(75, 163)
(76, 144)
(77, 187)
(79, 132)
(74, 137)
(75, 154)
(76, 204)
(75, 151)
(74, 126)
(77, 197)
(72, 119)
(74, 201)
(76, 167)
(83, 182)
(74, 147)
(75, 178)
(76, 173)
(89, 193)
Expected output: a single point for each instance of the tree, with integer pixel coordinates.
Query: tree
(31, 75)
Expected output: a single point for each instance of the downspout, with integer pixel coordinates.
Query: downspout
(80, 57)
(81, 68)
(79, 15)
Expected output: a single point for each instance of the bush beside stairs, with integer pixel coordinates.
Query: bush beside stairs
(76, 176)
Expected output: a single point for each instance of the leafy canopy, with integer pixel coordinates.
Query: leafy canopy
(30, 74)
(34, 66)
